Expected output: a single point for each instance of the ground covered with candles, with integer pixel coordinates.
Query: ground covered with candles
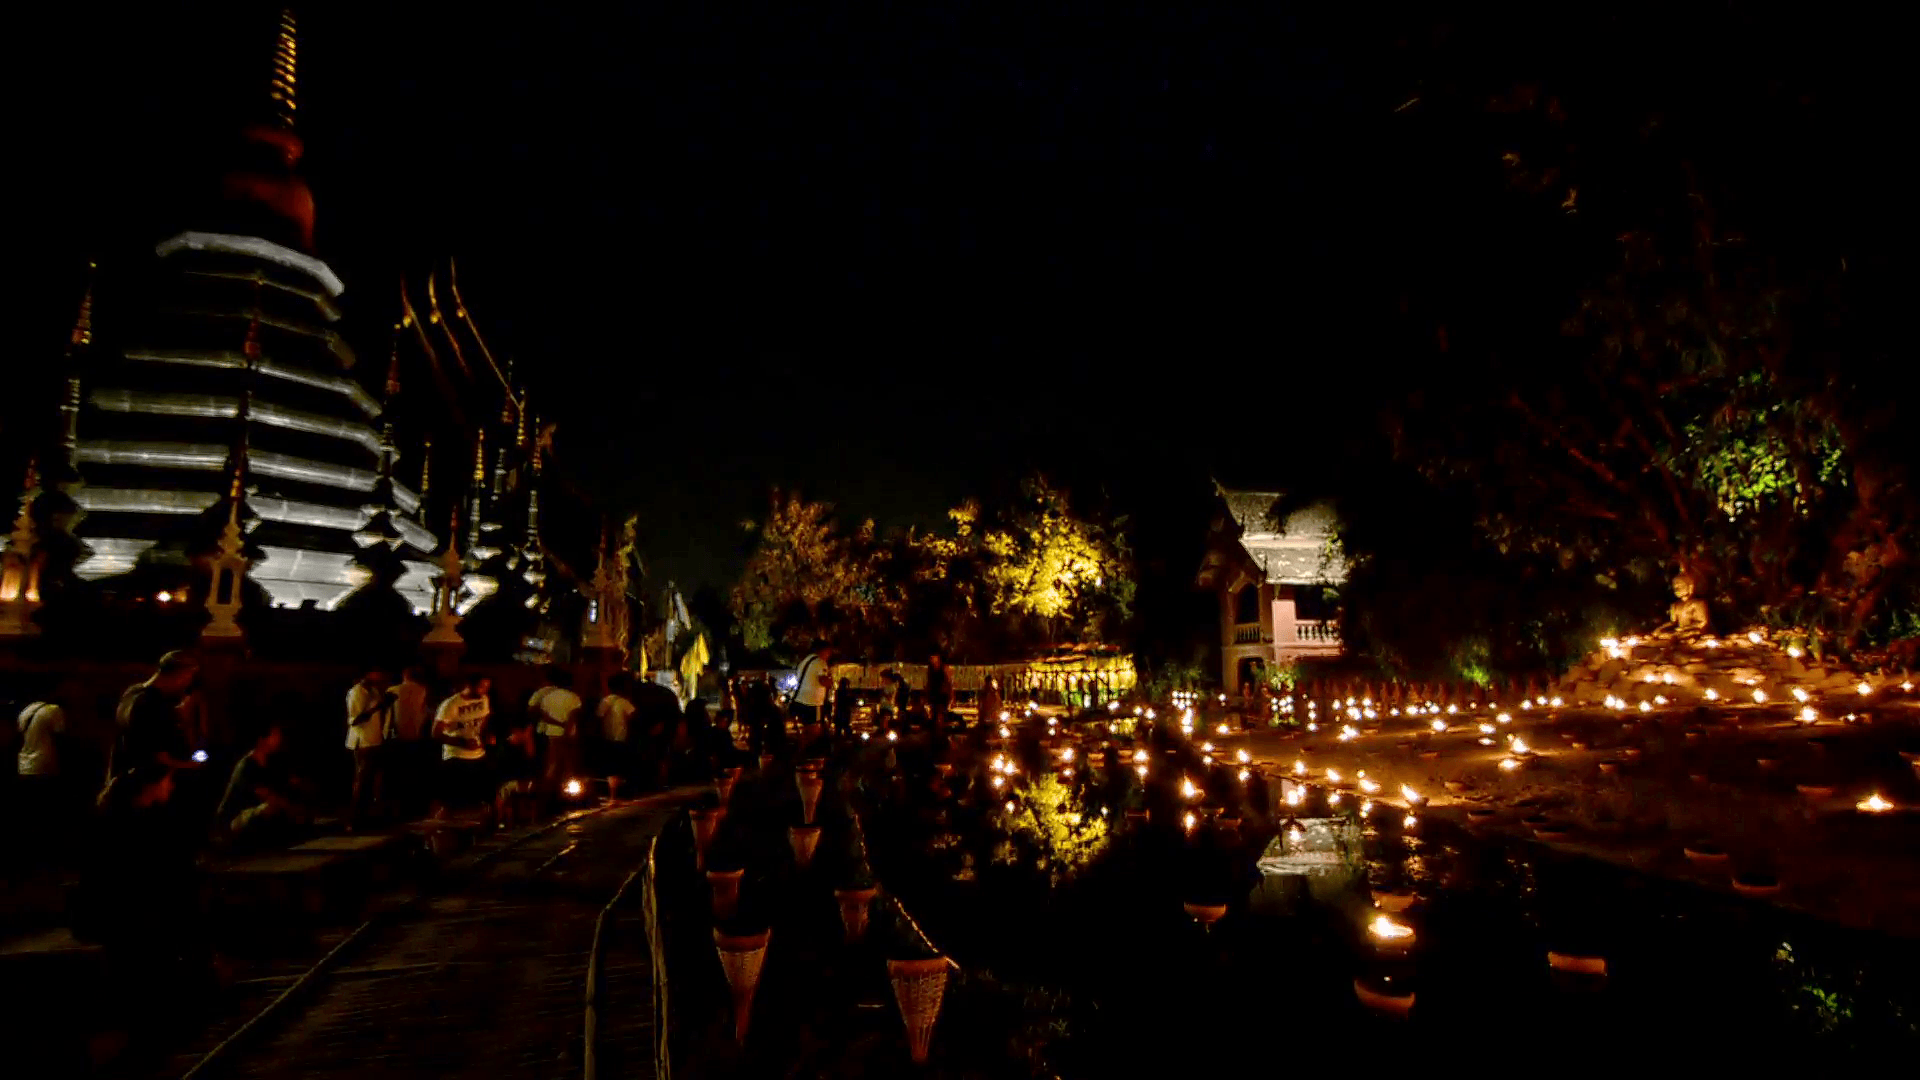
(1113, 893)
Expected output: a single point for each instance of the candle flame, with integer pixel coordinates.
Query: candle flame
(1509, 764)
(1387, 930)
(1874, 804)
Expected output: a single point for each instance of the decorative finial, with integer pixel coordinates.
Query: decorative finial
(285, 62)
(393, 370)
(83, 323)
(426, 473)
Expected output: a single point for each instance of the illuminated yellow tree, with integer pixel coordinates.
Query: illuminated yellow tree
(1062, 572)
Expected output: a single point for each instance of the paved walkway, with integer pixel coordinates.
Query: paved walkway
(486, 981)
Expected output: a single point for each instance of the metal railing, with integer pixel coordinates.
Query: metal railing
(657, 953)
(1248, 634)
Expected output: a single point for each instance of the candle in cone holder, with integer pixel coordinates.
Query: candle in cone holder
(741, 957)
(810, 787)
(726, 891)
(706, 821)
(853, 910)
(919, 986)
(766, 762)
(733, 772)
(804, 839)
(944, 768)
(724, 785)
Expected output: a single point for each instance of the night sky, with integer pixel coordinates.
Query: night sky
(893, 254)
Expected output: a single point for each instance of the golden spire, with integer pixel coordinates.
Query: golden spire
(285, 57)
(83, 323)
(426, 473)
(78, 341)
(393, 370)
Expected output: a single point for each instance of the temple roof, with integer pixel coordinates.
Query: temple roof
(1302, 550)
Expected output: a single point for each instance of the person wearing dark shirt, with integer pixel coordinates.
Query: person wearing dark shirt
(148, 717)
(939, 692)
(656, 715)
(260, 808)
(517, 759)
(138, 895)
(843, 709)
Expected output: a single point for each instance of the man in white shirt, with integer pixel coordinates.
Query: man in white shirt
(369, 711)
(40, 723)
(460, 727)
(47, 796)
(555, 711)
(615, 714)
(815, 679)
(410, 753)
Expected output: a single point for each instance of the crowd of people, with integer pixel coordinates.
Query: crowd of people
(138, 826)
(413, 754)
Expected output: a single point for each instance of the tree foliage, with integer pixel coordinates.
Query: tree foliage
(1634, 365)
(987, 585)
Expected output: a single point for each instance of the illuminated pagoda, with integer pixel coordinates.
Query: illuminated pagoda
(228, 338)
(223, 360)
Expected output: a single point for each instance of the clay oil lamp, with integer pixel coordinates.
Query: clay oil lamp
(1383, 996)
(1756, 884)
(1704, 855)
(1577, 964)
(1393, 901)
(1389, 935)
(1205, 914)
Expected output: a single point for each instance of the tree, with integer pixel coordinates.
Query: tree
(1636, 364)
(807, 580)
(1060, 572)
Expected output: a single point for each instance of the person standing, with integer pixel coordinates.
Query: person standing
(369, 710)
(138, 895)
(990, 701)
(555, 708)
(615, 714)
(410, 750)
(843, 702)
(813, 680)
(43, 793)
(149, 723)
(939, 693)
(460, 727)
